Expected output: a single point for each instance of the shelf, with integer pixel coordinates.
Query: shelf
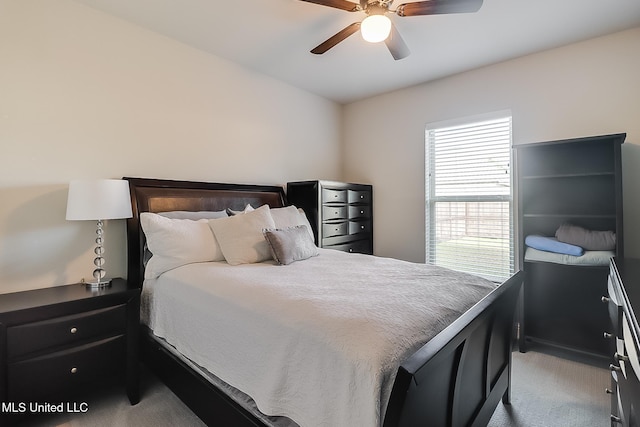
(569, 215)
(530, 261)
(569, 175)
(575, 181)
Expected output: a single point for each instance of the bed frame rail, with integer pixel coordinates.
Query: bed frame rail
(458, 378)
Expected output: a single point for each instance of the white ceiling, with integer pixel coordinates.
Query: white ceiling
(274, 37)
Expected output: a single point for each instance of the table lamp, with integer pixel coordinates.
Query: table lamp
(99, 200)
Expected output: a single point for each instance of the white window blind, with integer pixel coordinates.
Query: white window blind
(469, 198)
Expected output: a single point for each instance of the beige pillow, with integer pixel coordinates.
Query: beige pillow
(291, 216)
(176, 242)
(240, 236)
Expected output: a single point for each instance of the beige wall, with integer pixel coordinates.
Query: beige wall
(85, 95)
(584, 89)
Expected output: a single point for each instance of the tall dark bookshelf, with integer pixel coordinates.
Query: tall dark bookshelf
(576, 181)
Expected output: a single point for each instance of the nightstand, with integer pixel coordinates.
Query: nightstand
(55, 341)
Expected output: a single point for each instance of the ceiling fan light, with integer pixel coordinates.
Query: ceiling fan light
(375, 28)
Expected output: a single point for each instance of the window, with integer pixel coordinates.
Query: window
(469, 200)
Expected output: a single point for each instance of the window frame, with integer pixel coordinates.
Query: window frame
(431, 199)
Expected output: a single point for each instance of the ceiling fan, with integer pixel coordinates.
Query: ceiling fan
(377, 27)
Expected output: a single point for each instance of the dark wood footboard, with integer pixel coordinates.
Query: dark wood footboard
(458, 377)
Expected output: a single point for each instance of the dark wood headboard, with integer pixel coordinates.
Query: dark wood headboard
(159, 195)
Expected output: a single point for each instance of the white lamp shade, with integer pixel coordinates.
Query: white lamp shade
(375, 28)
(98, 199)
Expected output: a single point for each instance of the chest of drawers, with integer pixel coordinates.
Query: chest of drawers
(340, 214)
(623, 295)
(58, 340)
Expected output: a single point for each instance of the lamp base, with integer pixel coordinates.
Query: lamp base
(98, 284)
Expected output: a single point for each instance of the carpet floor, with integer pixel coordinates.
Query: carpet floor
(547, 391)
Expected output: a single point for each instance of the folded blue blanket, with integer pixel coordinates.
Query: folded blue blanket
(551, 244)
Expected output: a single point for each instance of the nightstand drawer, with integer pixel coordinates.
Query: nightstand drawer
(63, 370)
(67, 330)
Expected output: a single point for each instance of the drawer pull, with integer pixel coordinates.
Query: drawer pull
(615, 419)
(361, 212)
(74, 370)
(605, 299)
(350, 249)
(607, 391)
(615, 368)
(362, 196)
(73, 330)
(607, 335)
(621, 357)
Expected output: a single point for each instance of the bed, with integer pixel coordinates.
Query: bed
(456, 378)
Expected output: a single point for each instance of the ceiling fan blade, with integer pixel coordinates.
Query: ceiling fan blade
(336, 38)
(437, 7)
(396, 44)
(338, 4)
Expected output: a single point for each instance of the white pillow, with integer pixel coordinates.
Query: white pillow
(247, 208)
(176, 242)
(240, 236)
(290, 216)
(194, 215)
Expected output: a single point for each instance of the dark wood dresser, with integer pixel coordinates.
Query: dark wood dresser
(340, 214)
(576, 181)
(623, 296)
(56, 341)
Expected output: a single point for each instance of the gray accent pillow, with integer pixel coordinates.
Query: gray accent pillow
(290, 244)
(590, 240)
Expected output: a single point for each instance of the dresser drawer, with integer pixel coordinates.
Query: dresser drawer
(49, 374)
(335, 229)
(358, 246)
(611, 292)
(615, 316)
(67, 330)
(330, 195)
(630, 350)
(356, 227)
(614, 392)
(355, 196)
(334, 212)
(356, 212)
